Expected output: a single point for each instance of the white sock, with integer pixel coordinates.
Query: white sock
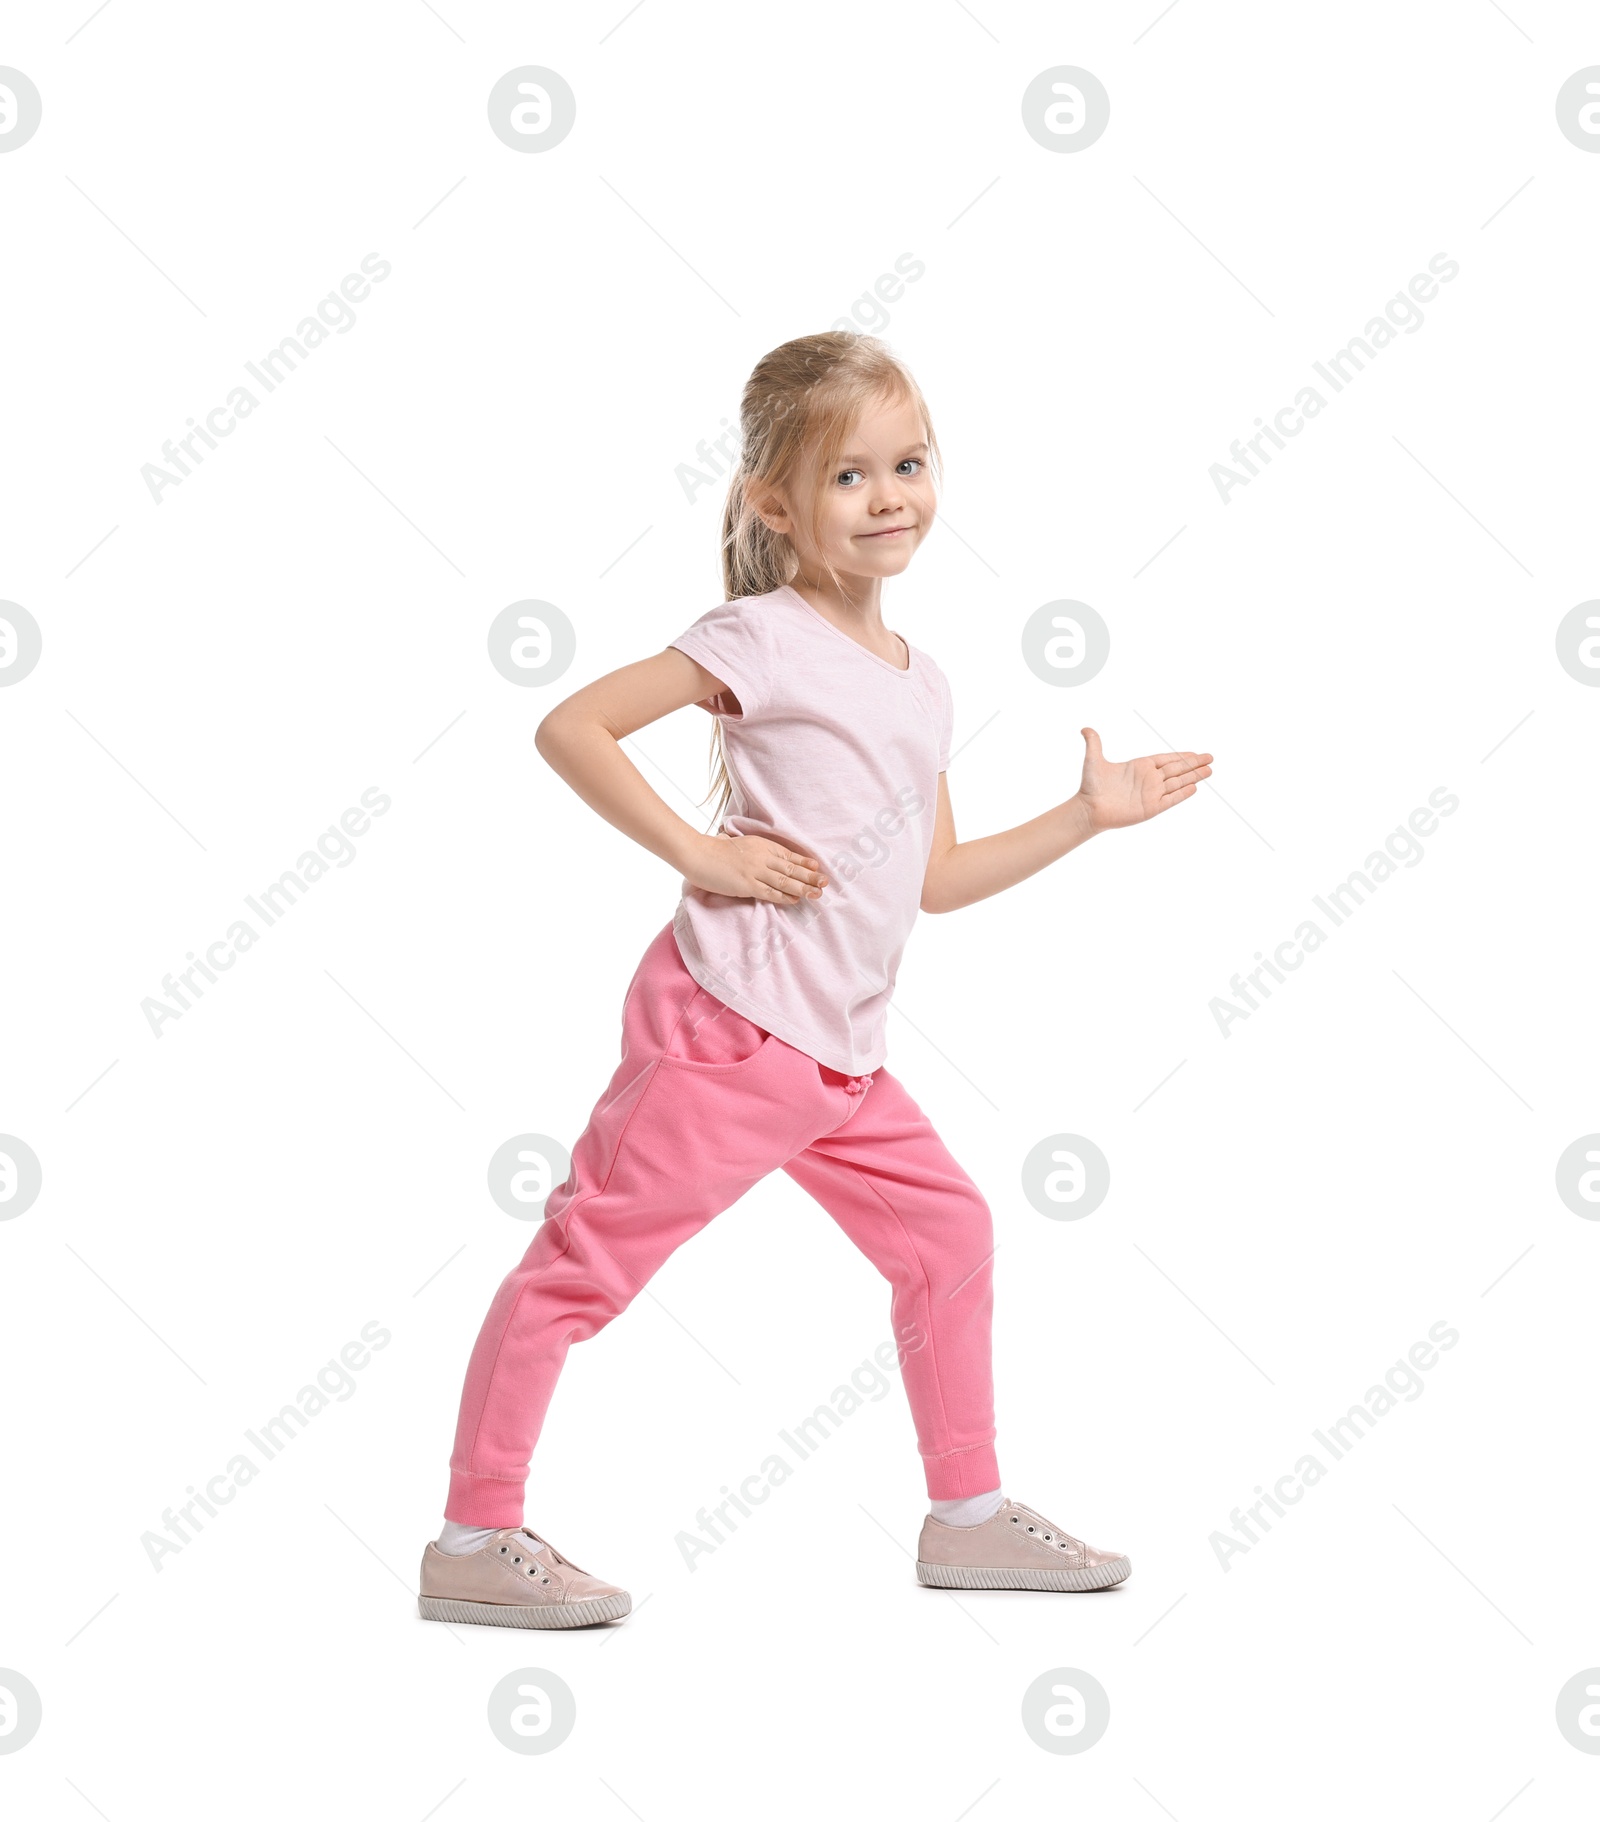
(462, 1540)
(974, 1511)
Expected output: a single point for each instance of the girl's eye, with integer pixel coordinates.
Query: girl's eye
(910, 466)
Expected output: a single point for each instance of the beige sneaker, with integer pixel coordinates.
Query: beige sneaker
(1017, 1548)
(515, 1579)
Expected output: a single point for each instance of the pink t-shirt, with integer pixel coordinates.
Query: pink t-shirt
(835, 752)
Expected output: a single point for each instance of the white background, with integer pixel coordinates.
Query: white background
(1370, 1153)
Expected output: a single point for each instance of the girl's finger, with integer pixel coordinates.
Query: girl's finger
(787, 876)
(802, 866)
(786, 886)
(1186, 782)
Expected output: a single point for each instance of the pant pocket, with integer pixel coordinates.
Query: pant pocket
(714, 1034)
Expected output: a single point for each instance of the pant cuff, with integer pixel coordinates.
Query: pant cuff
(479, 1499)
(960, 1473)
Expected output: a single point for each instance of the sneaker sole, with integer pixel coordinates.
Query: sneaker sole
(487, 1613)
(1062, 1581)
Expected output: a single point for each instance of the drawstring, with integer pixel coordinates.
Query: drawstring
(856, 1088)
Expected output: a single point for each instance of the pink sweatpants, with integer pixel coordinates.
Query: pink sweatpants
(702, 1105)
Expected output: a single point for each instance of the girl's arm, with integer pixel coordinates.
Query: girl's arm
(1113, 795)
(579, 739)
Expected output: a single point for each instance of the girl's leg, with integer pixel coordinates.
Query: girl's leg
(887, 1179)
(702, 1105)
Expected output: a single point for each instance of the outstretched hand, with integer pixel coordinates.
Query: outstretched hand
(1116, 793)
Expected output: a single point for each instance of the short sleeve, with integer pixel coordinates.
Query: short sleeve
(947, 721)
(733, 642)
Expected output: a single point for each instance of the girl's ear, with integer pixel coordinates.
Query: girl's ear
(768, 505)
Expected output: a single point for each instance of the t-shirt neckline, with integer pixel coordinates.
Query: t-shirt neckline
(898, 670)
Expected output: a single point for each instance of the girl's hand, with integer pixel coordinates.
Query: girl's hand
(1118, 792)
(750, 866)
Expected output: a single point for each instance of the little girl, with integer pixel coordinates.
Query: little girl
(753, 1028)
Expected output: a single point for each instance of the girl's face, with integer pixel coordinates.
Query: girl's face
(877, 502)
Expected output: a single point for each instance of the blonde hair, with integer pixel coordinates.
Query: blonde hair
(800, 405)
